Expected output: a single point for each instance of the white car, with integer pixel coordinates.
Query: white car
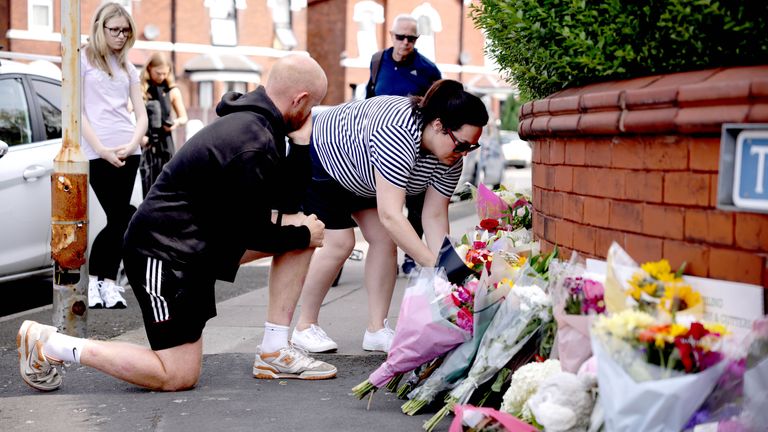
(517, 152)
(30, 138)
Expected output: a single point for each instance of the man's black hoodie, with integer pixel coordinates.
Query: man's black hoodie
(215, 197)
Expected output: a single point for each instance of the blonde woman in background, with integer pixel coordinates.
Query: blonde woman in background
(161, 96)
(111, 141)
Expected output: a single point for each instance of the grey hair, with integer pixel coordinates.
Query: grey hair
(405, 17)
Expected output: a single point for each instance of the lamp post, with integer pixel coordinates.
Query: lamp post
(69, 191)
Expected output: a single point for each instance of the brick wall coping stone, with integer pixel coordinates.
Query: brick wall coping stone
(696, 102)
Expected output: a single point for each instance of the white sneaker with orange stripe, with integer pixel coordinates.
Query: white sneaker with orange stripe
(37, 370)
(290, 362)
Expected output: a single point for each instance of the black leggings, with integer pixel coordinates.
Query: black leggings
(113, 188)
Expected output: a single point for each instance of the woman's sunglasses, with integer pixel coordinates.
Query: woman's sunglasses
(461, 146)
(402, 37)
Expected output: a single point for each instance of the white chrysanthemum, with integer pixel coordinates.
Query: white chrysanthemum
(624, 324)
(525, 382)
(532, 296)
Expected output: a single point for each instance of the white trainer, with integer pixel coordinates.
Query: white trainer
(94, 296)
(37, 370)
(379, 340)
(313, 340)
(110, 293)
(290, 362)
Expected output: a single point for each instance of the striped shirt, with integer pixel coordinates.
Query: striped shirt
(382, 133)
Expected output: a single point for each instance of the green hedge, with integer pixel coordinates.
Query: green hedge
(547, 45)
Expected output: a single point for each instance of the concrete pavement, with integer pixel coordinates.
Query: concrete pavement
(228, 397)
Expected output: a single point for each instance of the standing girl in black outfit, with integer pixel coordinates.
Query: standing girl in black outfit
(161, 97)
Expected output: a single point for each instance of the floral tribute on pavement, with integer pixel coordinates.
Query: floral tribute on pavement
(520, 340)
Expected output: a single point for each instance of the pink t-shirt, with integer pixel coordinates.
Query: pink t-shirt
(105, 103)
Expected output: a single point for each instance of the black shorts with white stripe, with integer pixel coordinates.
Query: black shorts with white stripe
(175, 303)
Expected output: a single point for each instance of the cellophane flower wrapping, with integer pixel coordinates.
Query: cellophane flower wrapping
(423, 333)
(489, 294)
(756, 377)
(622, 274)
(486, 419)
(504, 337)
(637, 395)
(489, 205)
(577, 296)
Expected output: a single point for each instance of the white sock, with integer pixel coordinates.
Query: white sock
(64, 347)
(275, 337)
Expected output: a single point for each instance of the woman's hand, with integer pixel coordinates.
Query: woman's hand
(110, 155)
(144, 142)
(126, 150)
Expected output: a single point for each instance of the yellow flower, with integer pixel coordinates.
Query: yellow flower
(717, 328)
(658, 269)
(679, 296)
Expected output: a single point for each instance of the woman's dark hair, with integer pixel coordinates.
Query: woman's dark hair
(448, 101)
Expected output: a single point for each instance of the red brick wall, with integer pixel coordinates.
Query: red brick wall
(5, 22)
(636, 162)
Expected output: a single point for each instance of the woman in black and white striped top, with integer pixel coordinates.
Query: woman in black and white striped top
(366, 157)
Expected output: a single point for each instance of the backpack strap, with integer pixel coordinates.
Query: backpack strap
(375, 67)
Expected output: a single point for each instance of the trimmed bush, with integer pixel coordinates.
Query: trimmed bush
(547, 45)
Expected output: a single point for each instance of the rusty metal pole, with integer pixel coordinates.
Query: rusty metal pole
(69, 191)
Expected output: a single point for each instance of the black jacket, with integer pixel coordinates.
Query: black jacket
(214, 198)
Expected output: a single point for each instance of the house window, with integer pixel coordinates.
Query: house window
(367, 14)
(40, 15)
(205, 94)
(223, 14)
(430, 24)
(235, 86)
(281, 18)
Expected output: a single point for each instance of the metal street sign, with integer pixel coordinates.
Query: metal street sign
(750, 182)
(742, 180)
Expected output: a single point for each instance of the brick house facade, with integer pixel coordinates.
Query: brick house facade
(222, 45)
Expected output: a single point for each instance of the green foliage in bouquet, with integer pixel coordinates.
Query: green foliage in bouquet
(540, 263)
(547, 45)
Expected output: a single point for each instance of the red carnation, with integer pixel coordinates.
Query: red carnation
(489, 224)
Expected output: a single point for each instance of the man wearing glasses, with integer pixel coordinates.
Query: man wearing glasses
(402, 71)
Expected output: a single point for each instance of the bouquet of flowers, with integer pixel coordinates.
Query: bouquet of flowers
(653, 375)
(505, 215)
(426, 329)
(756, 376)
(488, 297)
(577, 297)
(652, 287)
(518, 318)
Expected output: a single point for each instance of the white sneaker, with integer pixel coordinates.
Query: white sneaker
(379, 340)
(94, 296)
(313, 340)
(290, 362)
(36, 369)
(110, 293)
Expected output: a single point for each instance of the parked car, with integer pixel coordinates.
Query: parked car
(517, 152)
(30, 138)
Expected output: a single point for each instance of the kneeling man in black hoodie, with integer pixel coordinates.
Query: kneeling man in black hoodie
(231, 194)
